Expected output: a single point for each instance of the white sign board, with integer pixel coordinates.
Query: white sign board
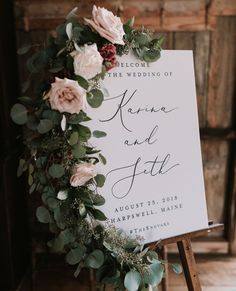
(154, 182)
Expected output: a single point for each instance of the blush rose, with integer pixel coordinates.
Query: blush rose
(82, 173)
(87, 61)
(67, 96)
(107, 25)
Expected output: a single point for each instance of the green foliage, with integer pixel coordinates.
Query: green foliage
(132, 280)
(95, 259)
(177, 268)
(154, 275)
(82, 82)
(52, 150)
(56, 171)
(98, 214)
(19, 114)
(74, 137)
(103, 159)
(44, 126)
(100, 180)
(74, 256)
(78, 151)
(24, 50)
(84, 132)
(95, 98)
(98, 133)
(43, 215)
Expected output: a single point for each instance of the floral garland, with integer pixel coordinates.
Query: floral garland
(61, 163)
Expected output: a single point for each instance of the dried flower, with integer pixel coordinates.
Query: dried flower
(108, 52)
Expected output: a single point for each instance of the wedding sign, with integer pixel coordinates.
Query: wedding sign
(154, 181)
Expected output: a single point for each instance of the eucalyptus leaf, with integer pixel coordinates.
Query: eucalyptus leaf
(154, 275)
(26, 100)
(72, 14)
(74, 256)
(45, 125)
(25, 85)
(52, 115)
(177, 268)
(52, 203)
(30, 180)
(142, 39)
(59, 218)
(95, 259)
(151, 55)
(84, 132)
(98, 214)
(78, 151)
(74, 137)
(56, 171)
(100, 180)
(98, 200)
(82, 210)
(32, 188)
(103, 159)
(43, 215)
(95, 98)
(82, 82)
(23, 50)
(21, 167)
(132, 280)
(19, 114)
(77, 271)
(67, 236)
(76, 118)
(98, 133)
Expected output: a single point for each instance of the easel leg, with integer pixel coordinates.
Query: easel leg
(164, 283)
(189, 265)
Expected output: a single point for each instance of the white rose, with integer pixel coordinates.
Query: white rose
(107, 25)
(87, 61)
(67, 96)
(82, 173)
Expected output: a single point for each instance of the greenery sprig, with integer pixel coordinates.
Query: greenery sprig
(60, 161)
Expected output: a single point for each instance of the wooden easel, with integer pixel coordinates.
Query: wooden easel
(186, 255)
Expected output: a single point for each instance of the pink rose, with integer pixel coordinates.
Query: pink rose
(107, 25)
(67, 96)
(82, 173)
(87, 61)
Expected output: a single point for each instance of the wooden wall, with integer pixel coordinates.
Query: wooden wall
(208, 27)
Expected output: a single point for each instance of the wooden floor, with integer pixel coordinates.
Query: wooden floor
(217, 273)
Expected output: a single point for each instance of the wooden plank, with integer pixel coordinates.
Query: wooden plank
(189, 235)
(59, 8)
(201, 60)
(184, 40)
(185, 15)
(222, 73)
(189, 265)
(232, 210)
(222, 8)
(215, 272)
(204, 247)
(147, 13)
(215, 155)
(169, 41)
(199, 42)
